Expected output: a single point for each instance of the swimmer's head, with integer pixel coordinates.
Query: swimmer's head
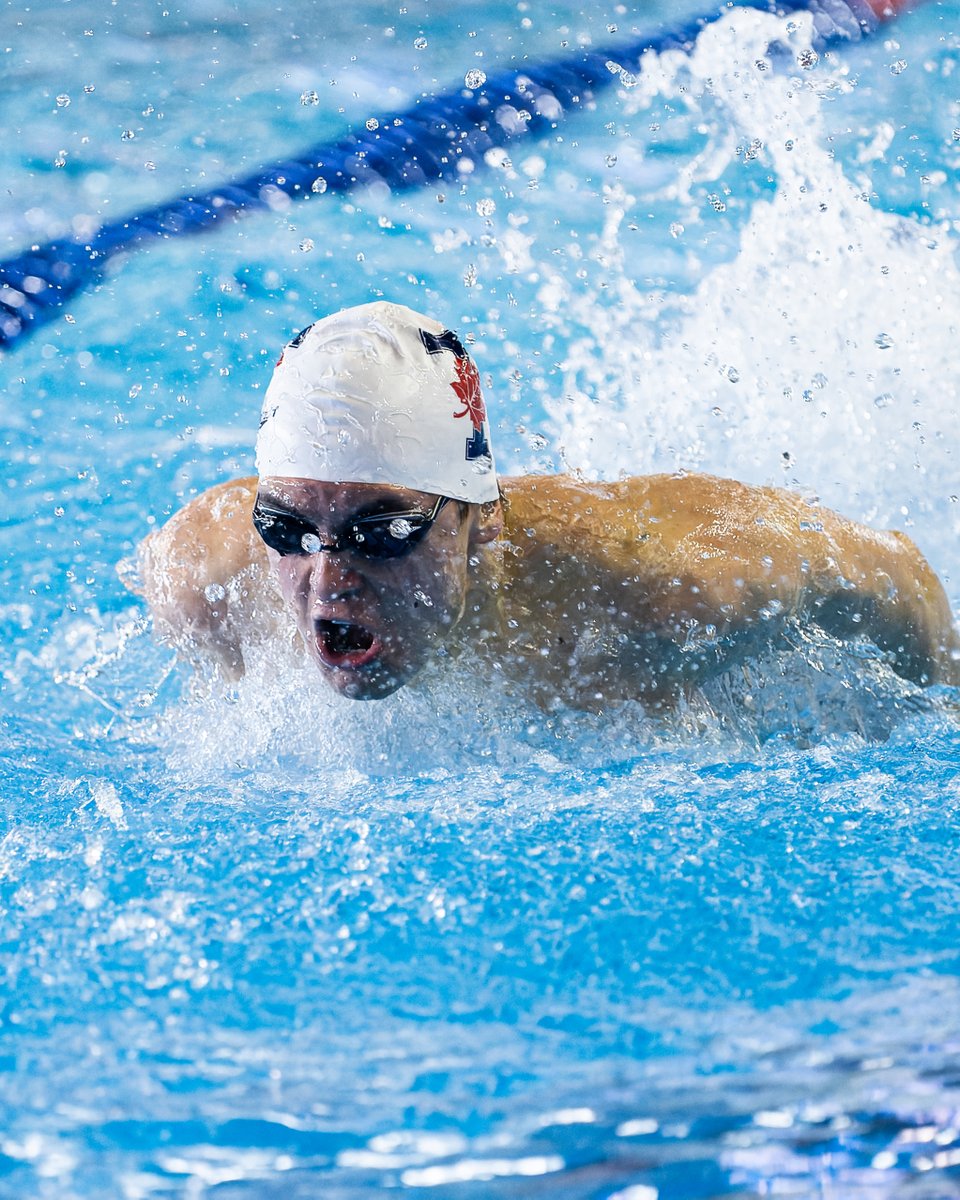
(379, 394)
(377, 487)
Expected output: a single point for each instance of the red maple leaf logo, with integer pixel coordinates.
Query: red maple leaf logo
(467, 387)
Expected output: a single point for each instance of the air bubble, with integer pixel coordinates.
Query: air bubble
(475, 78)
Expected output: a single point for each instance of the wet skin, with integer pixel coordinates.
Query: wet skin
(579, 593)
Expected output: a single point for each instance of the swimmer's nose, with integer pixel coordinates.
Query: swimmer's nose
(332, 579)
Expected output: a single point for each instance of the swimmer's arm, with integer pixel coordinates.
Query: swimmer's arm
(744, 561)
(204, 576)
(780, 559)
(880, 586)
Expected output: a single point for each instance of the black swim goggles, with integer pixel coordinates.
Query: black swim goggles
(375, 535)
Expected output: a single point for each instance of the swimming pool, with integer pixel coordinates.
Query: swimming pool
(268, 944)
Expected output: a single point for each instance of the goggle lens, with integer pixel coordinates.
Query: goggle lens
(377, 536)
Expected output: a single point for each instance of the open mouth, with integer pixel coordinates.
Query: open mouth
(343, 644)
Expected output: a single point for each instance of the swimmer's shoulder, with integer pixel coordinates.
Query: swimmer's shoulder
(204, 576)
(220, 517)
(209, 539)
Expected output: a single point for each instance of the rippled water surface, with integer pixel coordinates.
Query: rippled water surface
(268, 943)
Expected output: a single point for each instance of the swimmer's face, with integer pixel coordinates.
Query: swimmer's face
(371, 623)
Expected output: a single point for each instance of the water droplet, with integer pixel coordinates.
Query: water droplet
(127, 136)
(311, 543)
(319, 185)
(420, 43)
(611, 160)
(486, 207)
(808, 59)
(149, 165)
(89, 87)
(61, 159)
(135, 391)
(470, 276)
(676, 229)
(883, 340)
(733, 374)
(372, 124)
(308, 98)
(898, 67)
(215, 592)
(611, 29)
(820, 380)
(63, 100)
(400, 528)
(306, 245)
(475, 78)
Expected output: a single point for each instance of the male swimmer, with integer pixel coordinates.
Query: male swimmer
(377, 528)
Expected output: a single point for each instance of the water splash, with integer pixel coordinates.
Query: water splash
(817, 354)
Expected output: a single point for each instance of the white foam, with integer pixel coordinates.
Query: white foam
(829, 337)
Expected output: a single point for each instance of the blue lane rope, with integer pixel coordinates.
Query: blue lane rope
(428, 143)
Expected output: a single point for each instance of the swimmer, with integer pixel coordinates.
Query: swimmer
(378, 534)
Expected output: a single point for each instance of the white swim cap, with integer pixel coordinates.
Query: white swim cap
(378, 394)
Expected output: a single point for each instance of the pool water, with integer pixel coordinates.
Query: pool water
(264, 942)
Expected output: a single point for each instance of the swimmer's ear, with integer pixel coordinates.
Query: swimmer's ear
(487, 522)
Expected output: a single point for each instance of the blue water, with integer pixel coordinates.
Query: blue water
(268, 943)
